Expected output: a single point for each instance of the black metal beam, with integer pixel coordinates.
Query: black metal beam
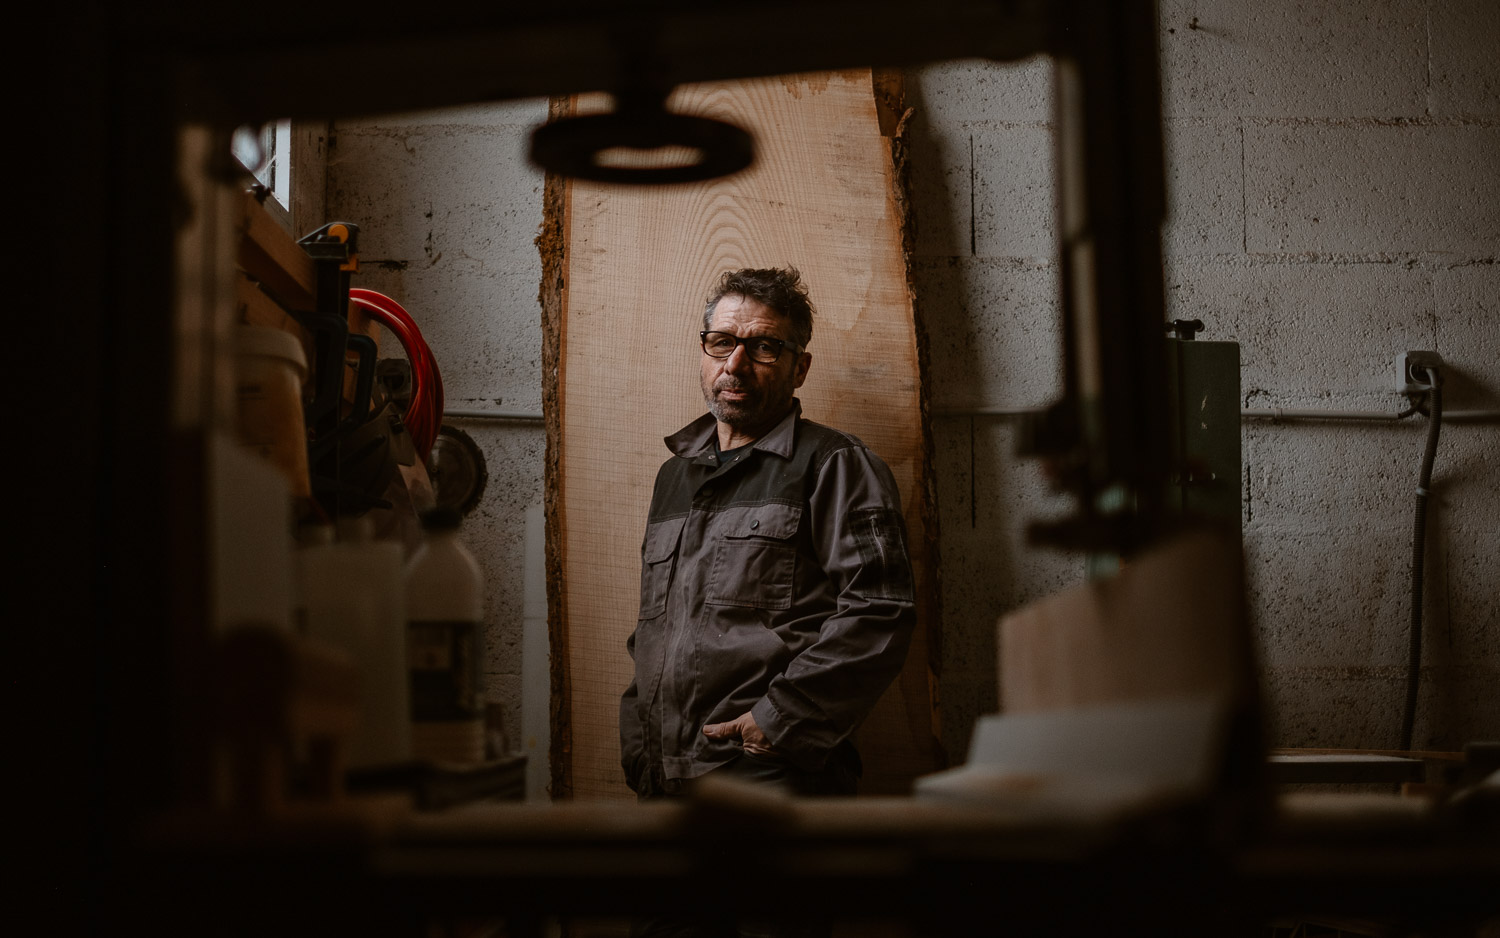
(301, 60)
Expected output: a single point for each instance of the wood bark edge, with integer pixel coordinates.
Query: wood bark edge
(890, 102)
(551, 244)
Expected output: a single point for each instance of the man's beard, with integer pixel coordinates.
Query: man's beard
(734, 413)
(755, 412)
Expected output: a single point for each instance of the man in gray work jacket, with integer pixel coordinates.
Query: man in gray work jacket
(776, 589)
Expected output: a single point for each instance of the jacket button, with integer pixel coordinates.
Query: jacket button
(754, 525)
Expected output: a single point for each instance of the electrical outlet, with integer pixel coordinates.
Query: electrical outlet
(1409, 370)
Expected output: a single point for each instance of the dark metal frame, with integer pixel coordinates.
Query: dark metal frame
(123, 79)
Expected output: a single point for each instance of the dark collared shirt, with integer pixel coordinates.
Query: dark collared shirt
(778, 583)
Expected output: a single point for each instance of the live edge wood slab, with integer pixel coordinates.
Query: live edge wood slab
(625, 273)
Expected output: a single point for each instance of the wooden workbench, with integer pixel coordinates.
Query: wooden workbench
(938, 867)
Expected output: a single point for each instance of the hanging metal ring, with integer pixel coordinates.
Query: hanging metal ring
(572, 146)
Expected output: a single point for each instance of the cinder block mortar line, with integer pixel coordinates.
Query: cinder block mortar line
(973, 485)
(1012, 262)
(1391, 672)
(1393, 516)
(1197, 121)
(1244, 191)
(1412, 260)
(973, 214)
(1486, 261)
(1247, 492)
(981, 125)
(1445, 539)
(1017, 261)
(433, 130)
(1431, 314)
(1427, 34)
(1427, 120)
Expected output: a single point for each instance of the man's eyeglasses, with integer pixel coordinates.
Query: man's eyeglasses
(763, 349)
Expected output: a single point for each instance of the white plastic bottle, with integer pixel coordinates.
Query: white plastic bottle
(352, 597)
(444, 635)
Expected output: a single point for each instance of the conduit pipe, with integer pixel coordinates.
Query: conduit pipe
(1279, 413)
(492, 415)
(1271, 413)
(1268, 413)
(1419, 554)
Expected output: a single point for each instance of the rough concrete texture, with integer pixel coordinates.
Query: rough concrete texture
(1464, 69)
(1014, 214)
(447, 209)
(966, 93)
(462, 197)
(985, 498)
(1372, 188)
(992, 327)
(1205, 202)
(942, 170)
(1466, 335)
(1320, 328)
(1333, 200)
(1314, 59)
(969, 102)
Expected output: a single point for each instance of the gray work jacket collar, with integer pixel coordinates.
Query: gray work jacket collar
(696, 440)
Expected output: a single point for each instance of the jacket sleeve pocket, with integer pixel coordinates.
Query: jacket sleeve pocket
(755, 558)
(658, 554)
(880, 534)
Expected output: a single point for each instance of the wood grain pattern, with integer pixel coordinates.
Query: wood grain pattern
(627, 272)
(273, 257)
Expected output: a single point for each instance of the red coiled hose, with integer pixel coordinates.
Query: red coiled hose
(424, 415)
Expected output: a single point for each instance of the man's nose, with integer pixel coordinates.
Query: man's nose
(739, 360)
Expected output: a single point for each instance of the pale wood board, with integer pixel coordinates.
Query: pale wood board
(628, 288)
(1171, 623)
(270, 255)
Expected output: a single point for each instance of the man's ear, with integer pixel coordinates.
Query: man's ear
(803, 363)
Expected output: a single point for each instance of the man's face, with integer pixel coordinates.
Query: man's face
(747, 395)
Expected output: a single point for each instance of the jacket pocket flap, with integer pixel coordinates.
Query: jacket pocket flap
(661, 539)
(771, 520)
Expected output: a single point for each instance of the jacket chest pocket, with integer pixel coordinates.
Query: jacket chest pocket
(755, 557)
(658, 556)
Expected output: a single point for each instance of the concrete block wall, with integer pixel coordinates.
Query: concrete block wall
(1334, 186)
(448, 208)
(986, 283)
(1334, 199)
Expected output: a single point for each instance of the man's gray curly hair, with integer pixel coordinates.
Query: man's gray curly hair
(780, 289)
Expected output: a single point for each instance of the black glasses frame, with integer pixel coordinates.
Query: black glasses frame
(781, 345)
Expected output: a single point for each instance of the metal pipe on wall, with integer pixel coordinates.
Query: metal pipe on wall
(492, 415)
(1280, 413)
(1266, 413)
